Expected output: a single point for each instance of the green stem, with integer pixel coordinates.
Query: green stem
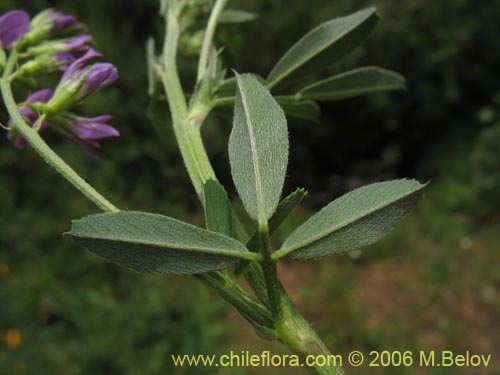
(200, 170)
(223, 102)
(209, 36)
(296, 333)
(289, 325)
(41, 147)
(271, 276)
(291, 328)
(187, 133)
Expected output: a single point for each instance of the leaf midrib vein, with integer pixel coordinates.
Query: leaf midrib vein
(237, 254)
(255, 155)
(287, 250)
(287, 72)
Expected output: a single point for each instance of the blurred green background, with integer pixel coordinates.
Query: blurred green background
(433, 284)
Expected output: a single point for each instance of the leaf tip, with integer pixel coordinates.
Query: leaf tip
(373, 11)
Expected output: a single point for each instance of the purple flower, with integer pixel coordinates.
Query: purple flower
(62, 21)
(79, 64)
(92, 128)
(13, 26)
(50, 22)
(76, 44)
(39, 96)
(47, 24)
(46, 63)
(80, 80)
(100, 75)
(63, 60)
(87, 131)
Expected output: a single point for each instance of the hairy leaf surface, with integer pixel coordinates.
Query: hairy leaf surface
(354, 83)
(218, 210)
(323, 46)
(157, 244)
(357, 219)
(258, 148)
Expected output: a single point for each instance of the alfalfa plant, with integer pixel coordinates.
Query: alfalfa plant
(221, 253)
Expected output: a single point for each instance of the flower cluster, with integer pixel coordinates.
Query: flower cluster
(53, 42)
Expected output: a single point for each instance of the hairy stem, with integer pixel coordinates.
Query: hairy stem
(224, 102)
(289, 326)
(39, 145)
(209, 36)
(200, 170)
(296, 333)
(187, 133)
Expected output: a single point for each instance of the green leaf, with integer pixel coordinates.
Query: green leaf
(285, 208)
(323, 46)
(357, 219)
(258, 148)
(156, 244)
(303, 109)
(218, 210)
(231, 16)
(353, 83)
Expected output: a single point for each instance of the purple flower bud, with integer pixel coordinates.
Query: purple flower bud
(99, 76)
(77, 67)
(62, 21)
(80, 81)
(47, 24)
(77, 44)
(66, 94)
(40, 96)
(18, 142)
(13, 26)
(64, 57)
(63, 60)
